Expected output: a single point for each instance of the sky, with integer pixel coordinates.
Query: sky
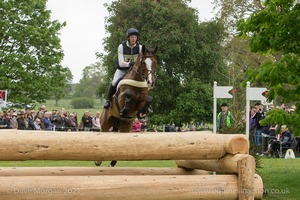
(83, 35)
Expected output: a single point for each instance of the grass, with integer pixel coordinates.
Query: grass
(280, 176)
(65, 103)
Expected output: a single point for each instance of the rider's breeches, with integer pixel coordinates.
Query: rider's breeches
(118, 74)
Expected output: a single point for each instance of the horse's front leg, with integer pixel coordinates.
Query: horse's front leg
(125, 109)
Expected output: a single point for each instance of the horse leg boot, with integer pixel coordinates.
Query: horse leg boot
(124, 111)
(148, 107)
(112, 163)
(111, 92)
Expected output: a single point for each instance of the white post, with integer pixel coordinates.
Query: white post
(215, 110)
(247, 109)
(5, 96)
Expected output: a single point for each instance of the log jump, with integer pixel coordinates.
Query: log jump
(196, 154)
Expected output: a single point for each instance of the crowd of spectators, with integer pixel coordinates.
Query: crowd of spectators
(27, 119)
(260, 133)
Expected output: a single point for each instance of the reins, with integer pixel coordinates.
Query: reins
(143, 57)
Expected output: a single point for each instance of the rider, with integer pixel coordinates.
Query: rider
(128, 52)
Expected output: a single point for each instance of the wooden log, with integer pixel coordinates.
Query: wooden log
(42, 145)
(120, 187)
(95, 171)
(246, 172)
(227, 164)
(258, 187)
(241, 164)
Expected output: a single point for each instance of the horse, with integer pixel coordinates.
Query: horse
(131, 95)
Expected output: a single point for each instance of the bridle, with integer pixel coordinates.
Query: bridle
(143, 64)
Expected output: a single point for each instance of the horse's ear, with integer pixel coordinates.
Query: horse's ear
(144, 49)
(155, 50)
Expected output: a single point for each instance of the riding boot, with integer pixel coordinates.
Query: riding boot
(111, 92)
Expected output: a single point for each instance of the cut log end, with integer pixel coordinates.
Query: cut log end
(238, 144)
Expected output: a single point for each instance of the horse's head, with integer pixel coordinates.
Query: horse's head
(147, 65)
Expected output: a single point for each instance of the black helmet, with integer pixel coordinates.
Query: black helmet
(132, 31)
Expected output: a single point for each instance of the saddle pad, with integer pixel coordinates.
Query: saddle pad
(141, 84)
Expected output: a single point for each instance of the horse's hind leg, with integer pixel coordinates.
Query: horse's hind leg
(125, 109)
(113, 163)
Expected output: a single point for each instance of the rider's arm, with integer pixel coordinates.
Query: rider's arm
(122, 63)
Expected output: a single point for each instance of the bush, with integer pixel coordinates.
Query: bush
(82, 102)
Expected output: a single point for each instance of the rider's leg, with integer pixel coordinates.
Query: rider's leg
(112, 89)
(111, 92)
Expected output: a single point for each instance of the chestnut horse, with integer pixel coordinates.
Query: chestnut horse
(131, 94)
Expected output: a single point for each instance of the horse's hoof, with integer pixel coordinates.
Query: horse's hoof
(98, 162)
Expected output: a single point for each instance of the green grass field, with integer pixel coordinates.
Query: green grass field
(65, 103)
(280, 176)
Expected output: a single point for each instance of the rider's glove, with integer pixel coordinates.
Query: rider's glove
(131, 64)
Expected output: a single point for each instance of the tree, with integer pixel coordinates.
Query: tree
(276, 30)
(30, 51)
(229, 12)
(187, 49)
(63, 81)
(92, 77)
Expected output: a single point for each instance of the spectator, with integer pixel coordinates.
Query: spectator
(14, 121)
(54, 117)
(136, 125)
(61, 121)
(86, 121)
(260, 115)
(285, 140)
(224, 118)
(22, 123)
(27, 111)
(40, 115)
(144, 122)
(70, 123)
(272, 130)
(96, 122)
(33, 114)
(46, 121)
(30, 121)
(42, 109)
(36, 124)
(252, 119)
(4, 123)
(75, 119)
(7, 118)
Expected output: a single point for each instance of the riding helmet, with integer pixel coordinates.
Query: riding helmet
(132, 31)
